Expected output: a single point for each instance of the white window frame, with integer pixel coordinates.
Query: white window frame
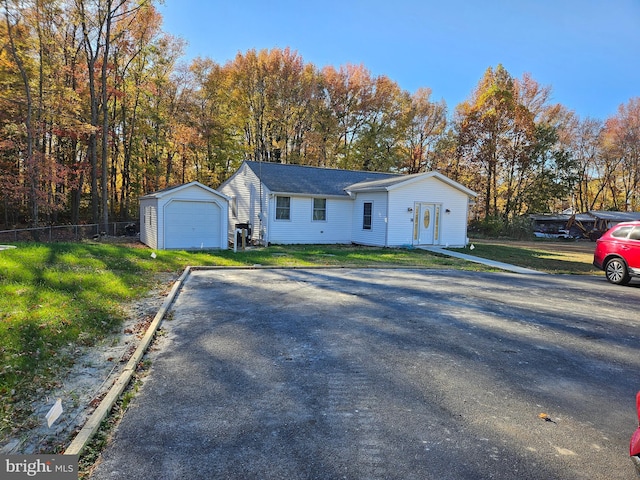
(288, 209)
(315, 209)
(364, 216)
(234, 207)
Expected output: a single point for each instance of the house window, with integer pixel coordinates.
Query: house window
(366, 216)
(319, 209)
(234, 207)
(283, 208)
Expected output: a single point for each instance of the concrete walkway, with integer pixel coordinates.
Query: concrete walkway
(492, 263)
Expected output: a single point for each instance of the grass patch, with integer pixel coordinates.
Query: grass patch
(546, 257)
(54, 297)
(340, 256)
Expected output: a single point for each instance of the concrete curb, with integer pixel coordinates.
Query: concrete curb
(91, 426)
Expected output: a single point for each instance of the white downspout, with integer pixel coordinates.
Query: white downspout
(386, 221)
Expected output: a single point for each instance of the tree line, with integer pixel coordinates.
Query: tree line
(97, 108)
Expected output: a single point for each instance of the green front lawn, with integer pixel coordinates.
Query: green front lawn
(548, 257)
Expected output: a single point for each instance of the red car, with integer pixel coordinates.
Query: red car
(634, 445)
(618, 252)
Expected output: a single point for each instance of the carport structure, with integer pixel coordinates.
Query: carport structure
(408, 374)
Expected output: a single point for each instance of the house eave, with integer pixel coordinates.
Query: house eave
(346, 196)
(173, 190)
(409, 180)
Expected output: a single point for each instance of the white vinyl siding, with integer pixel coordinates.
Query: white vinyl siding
(251, 201)
(303, 229)
(376, 235)
(452, 228)
(391, 213)
(149, 222)
(233, 204)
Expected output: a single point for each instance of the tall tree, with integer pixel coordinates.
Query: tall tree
(583, 138)
(509, 131)
(621, 138)
(97, 18)
(425, 124)
(18, 36)
(135, 49)
(92, 24)
(349, 92)
(483, 123)
(378, 144)
(210, 119)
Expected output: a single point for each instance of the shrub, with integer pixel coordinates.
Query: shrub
(519, 228)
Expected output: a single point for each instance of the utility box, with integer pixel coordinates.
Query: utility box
(246, 229)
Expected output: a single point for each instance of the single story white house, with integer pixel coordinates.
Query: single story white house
(190, 216)
(287, 204)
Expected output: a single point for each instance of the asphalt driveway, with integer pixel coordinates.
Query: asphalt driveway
(383, 374)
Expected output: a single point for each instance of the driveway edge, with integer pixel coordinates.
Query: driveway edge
(91, 426)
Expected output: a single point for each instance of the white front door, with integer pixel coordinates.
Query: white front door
(426, 224)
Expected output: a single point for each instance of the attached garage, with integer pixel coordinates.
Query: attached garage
(187, 217)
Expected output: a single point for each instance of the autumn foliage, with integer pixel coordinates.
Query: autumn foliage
(97, 109)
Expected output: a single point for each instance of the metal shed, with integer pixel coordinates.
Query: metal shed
(190, 216)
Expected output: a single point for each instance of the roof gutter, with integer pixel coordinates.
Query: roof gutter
(311, 195)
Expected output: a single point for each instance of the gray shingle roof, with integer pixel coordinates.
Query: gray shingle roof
(286, 178)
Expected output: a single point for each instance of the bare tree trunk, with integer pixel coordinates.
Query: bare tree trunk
(92, 149)
(105, 119)
(30, 161)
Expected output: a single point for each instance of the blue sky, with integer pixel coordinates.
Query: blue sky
(588, 51)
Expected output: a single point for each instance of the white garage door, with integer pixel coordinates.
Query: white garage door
(190, 224)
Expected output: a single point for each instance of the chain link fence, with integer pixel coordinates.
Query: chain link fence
(70, 233)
